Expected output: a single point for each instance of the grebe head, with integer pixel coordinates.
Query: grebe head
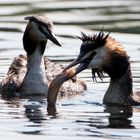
(103, 54)
(38, 31)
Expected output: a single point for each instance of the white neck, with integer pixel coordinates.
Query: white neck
(35, 79)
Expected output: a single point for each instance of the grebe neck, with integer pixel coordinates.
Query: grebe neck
(120, 90)
(35, 79)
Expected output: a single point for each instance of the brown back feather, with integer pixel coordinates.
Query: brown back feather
(14, 77)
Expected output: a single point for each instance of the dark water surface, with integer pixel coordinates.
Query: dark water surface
(82, 117)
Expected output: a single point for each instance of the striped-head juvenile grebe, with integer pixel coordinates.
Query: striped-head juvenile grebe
(31, 74)
(103, 54)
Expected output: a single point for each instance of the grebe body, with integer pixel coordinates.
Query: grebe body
(31, 74)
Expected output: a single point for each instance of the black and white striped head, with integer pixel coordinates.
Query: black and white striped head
(101, 53)
(38, 30)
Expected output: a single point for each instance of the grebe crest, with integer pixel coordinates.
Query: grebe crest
(103, 54)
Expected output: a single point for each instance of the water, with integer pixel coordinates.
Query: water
(81, 117)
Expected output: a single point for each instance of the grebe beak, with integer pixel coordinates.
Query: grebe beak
(52, 37)
(82, 61)
(82, 65)
(49, 35)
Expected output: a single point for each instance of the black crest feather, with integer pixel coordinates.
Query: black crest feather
(98, 39)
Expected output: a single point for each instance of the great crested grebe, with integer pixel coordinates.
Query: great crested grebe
(31, 75)
(103, 54)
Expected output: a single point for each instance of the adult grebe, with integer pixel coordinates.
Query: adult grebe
(103, 54)
(31, 75)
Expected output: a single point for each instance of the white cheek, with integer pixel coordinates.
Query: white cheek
(95, 63)
(99, 59)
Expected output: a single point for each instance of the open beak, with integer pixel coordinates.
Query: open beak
(82, 65)
(82, 61)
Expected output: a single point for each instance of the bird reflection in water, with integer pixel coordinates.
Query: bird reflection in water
(119, 117)
(37, 111)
